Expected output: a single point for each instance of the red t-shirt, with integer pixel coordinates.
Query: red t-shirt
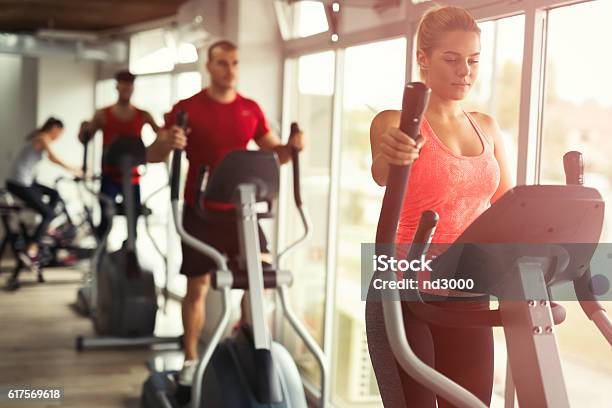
(216, 129)
(114, 128)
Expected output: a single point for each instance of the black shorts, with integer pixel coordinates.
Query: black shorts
(222, 235)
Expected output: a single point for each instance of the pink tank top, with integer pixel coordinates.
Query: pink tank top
(458, 188)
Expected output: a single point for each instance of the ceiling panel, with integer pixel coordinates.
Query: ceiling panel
(81, 15)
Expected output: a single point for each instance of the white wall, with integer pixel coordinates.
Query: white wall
(34, 89)
(18, 86)
(261, 58)
(66, 91)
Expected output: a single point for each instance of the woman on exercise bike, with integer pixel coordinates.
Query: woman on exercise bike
(459, 168)
(21, 182)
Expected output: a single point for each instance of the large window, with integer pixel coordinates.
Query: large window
(578, 103)
(301, 18)
(152, 93)
(576, 116)
(312, 108)
(498, 89)
(159, 50)
(187, 84)
(150, 52)
(106, 94)
(373, 81)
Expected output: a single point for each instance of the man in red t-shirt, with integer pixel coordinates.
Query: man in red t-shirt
(121, 119)
(220, 120)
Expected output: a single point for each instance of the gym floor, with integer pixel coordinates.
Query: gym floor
(37, 340)
(39, 327)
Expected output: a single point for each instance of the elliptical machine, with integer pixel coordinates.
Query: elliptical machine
(86, 295)
(248, 369)
(122, 294)
(85, 299)
(531, 239)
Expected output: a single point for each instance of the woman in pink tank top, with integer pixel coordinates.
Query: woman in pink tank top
(457, 187)
(458, 169)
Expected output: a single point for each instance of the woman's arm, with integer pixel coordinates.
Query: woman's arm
(45, 145)
(491, 128)
(390, 145)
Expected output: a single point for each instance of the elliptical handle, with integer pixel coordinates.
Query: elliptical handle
(295, 161)
(175, 174)
(85, 154)
(175, 177)
(574, 168)
(414, 103)
(297, 196)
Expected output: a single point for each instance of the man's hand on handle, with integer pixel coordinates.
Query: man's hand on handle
(167, 140)
(173, 138)
(85, 132)
(296, 138)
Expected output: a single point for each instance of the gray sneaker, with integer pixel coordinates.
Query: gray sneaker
(187, 372)
(31, 262)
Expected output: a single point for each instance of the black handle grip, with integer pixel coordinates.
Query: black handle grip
(175, 175)
(424, 233)
(87, 133)
(87, 136)
(574, 168)
(429, 221)
(295, 160)
(181, 119)
(414, 103)
(85, 150)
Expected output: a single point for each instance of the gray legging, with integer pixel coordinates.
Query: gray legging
(33, 196)
(465, 355)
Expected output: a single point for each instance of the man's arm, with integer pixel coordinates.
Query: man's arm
(88, 129)
(148, 119)
(167, 140)
(270, 141)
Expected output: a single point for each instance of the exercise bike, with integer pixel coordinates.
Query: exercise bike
(63, 247)
(532, 239)
(122, 296)
(248, 369)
